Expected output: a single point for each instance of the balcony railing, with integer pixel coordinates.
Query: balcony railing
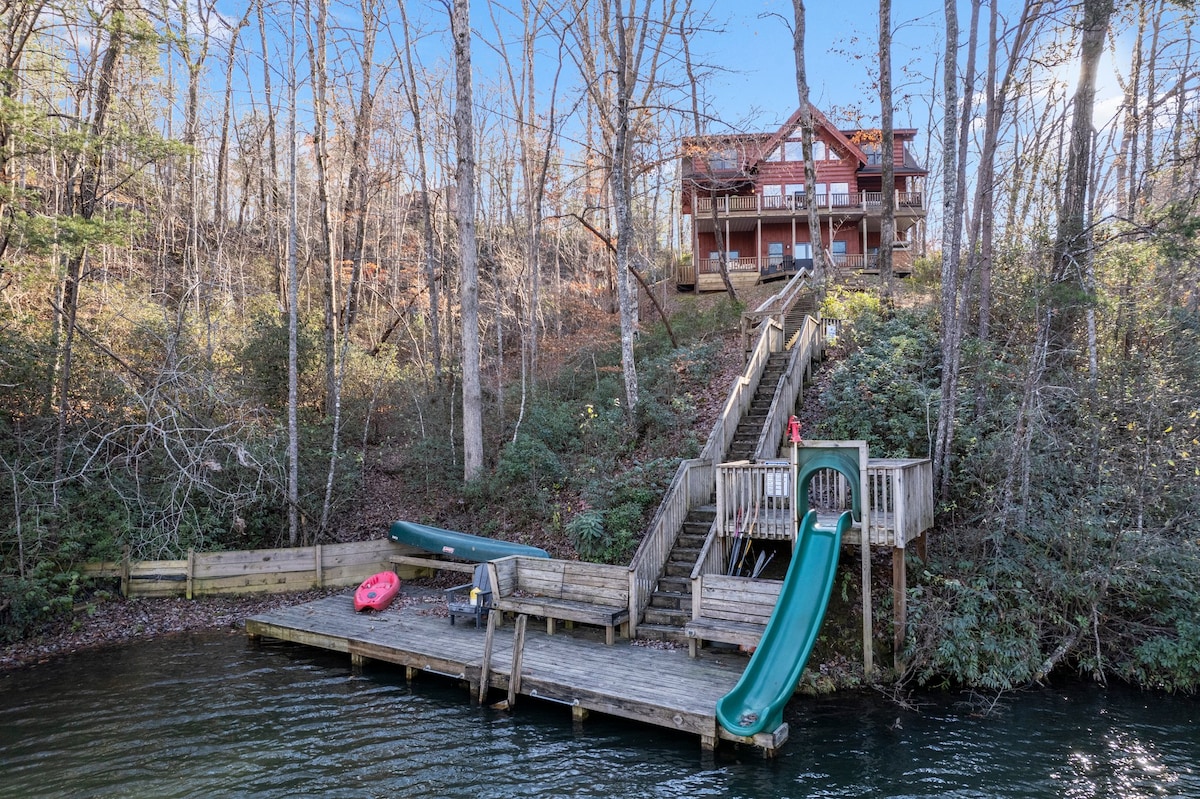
(865, 201)
(776, 264)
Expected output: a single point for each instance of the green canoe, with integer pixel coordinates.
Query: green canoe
(459, 545)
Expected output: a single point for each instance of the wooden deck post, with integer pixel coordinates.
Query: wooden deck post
(865, 508)
(514, 676)
(318, 566)
(486, 666)
(191, 572)
(899, 605)
(125, 571)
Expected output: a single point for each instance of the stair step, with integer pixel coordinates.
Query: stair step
(661, 632)
(671, 600)
(684, 554)
(691, 540)
(675, 585)
(664, 616)
(674, 569)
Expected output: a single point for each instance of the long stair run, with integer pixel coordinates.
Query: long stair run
(670, 605)
(671, 601)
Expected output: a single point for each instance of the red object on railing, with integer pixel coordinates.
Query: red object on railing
(794, 430)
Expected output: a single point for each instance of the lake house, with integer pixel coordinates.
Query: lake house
(746, 194)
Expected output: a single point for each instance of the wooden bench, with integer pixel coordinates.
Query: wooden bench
(731, 610)
(563, 590)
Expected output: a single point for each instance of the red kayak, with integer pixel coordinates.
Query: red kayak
(377, 591)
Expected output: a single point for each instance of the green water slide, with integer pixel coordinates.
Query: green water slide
(756, 702)
(460, 545)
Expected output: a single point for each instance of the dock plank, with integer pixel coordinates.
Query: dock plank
(663, 687)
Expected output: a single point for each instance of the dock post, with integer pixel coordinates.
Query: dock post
(514, 677)
(486, 666)
(899, 606)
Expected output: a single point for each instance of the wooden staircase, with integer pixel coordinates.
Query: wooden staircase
(745, 438)
(671, 601)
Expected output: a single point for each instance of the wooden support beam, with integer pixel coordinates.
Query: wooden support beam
(486, 663)
(899, 605)
(191, 572)
(514, 677)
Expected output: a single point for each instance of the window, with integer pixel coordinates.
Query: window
(774, 253)
(775, 156)
(802, 250)
(838, 248)
(818, 151)
(723, 160)
(840, 193)
(874, 153)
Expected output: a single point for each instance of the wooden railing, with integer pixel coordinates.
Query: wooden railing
(694, 479)
(899, 499)
(901, 496)
(807, 348)
(866, 201)
(756, 500)
(691, 486)
(775, 307)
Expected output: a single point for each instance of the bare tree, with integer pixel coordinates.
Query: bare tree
(807, 135)
(887, 220)
(472, 402)
(1072, 240)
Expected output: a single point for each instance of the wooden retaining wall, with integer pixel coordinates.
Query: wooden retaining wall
(252, 571)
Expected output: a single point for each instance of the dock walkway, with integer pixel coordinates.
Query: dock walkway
(663, 687)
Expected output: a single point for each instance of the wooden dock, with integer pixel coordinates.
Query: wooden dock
(662, 687)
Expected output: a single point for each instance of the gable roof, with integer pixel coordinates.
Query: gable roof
(819, 121)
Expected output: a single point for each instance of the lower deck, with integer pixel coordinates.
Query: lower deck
(662, 687)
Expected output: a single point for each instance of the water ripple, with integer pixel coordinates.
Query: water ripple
(208, 715)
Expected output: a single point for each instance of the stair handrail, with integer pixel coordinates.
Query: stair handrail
(695, 478)
(776, 306)
(804, 351)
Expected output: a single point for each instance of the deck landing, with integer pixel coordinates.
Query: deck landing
(662, 687)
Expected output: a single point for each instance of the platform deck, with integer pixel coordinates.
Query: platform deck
(663, 687)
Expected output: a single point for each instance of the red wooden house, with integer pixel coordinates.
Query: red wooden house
(750, 188)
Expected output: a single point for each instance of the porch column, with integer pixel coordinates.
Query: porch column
(758, 244)
(864, 240)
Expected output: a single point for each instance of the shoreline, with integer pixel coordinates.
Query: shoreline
(120, 622)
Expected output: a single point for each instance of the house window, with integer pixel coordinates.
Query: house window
(874, 153)
(723, 160)
(818, 151)
(774, 253)
(840, 192)
(838, 249)
(802, 250)
(793, 150)
(775, 156)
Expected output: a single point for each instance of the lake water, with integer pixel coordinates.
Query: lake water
(213, 715)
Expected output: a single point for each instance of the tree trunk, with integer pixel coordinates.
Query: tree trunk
(87, 198)
(622, 186)
(887, 221)
(472, 401)
(807, 132)
(1072, 241)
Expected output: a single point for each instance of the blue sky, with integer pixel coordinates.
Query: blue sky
(841, 42)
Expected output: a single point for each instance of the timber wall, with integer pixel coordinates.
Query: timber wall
(253, 571)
